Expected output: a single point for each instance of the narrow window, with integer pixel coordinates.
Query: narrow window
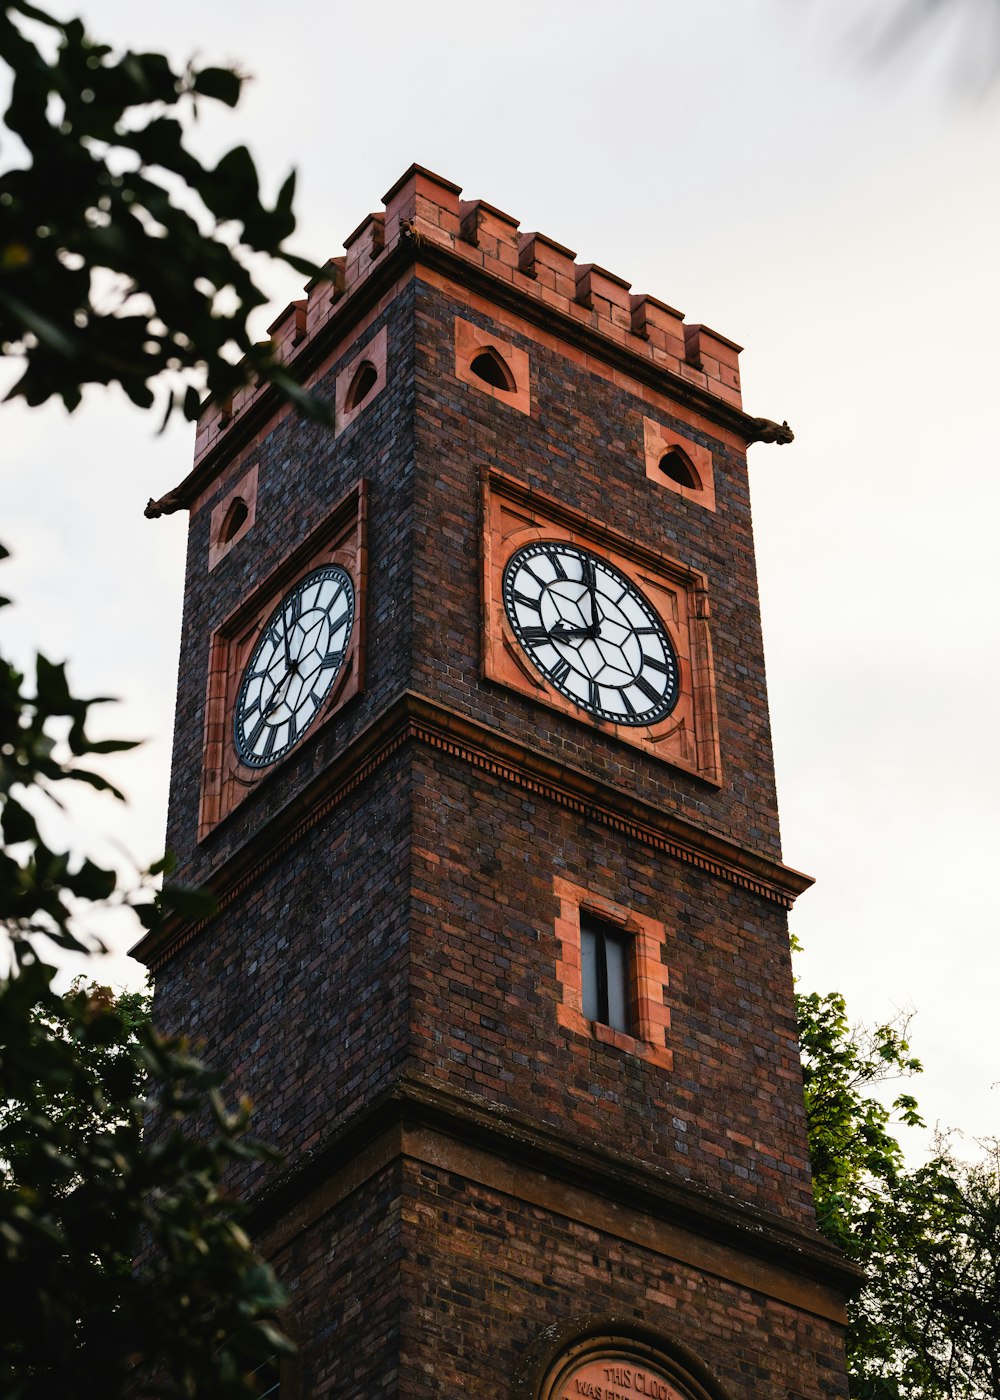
(678, 466)
(234, 520)
(490, 367)
(361, 385)
(605, 956)
(267, 1379)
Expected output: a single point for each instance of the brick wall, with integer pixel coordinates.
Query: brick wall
(299, 990)
(303, 470)
(486, 1273)
(483, 974)
(423, 1282)
(583, 444)
(343, 1273)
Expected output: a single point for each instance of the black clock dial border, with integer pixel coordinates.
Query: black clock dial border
(276, 634)
(662, 694)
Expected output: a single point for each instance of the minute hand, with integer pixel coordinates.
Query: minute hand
(284, 639)
(590, 579)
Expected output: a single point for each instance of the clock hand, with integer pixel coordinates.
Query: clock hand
(590, 579)
(278, 698)
(284, 637)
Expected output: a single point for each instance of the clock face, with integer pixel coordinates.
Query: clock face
(298, 656)
(591, 633)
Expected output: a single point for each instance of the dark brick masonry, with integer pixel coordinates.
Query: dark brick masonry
(462, 1168)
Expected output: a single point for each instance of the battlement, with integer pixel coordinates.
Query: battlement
(424, 210)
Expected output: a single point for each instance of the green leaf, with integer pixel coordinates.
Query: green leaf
(231, 190)
(53, 689)
(26, 317)
(17, 823)
(94, 211)
(221, 84)
(186, 901)
(191, 404)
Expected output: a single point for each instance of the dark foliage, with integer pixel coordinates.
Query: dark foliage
(83, 1190)
(927, 1324)
(123, 258)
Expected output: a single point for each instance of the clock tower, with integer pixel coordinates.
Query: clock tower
(472, 749)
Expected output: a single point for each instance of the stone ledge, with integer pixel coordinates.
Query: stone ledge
(414, 718)
(507, 1151)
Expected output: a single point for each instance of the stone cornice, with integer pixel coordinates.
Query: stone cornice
(415, 718)
(418, 1118)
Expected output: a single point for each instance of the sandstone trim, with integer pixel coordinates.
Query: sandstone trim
(413, 718)
(421, 1122)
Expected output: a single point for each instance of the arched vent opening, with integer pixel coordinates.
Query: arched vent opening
(233, 520)
(678, 466)
(361, 385)
(490, 366)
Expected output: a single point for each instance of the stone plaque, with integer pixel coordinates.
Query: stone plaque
(614, 1377)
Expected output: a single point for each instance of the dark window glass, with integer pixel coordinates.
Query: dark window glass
(605, 955)
(267, 1378)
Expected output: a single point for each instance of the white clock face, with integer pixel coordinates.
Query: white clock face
(298, 657)
(591, 633)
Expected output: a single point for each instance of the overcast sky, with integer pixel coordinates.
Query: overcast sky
(757, 165)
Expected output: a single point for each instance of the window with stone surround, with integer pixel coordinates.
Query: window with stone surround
(491, 367)
(677, 465)
(612, 974)
(364, 381)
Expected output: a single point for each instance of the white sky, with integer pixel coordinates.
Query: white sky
(749, 162)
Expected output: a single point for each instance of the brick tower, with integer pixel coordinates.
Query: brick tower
(472, 747)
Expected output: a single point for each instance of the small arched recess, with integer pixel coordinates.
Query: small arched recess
(491, 367)
(677, 465)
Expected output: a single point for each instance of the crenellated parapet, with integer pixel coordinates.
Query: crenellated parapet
(425, 220)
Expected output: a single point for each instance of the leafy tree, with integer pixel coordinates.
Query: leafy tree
(82, 1190)
(853, 1149)
(927, 1322)
(947, 1314)
(79, 1201)
(114, 1077)
(123, 258)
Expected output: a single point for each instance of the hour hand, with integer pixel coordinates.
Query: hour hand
(563, 633)
(281, 690)
(278, 698)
